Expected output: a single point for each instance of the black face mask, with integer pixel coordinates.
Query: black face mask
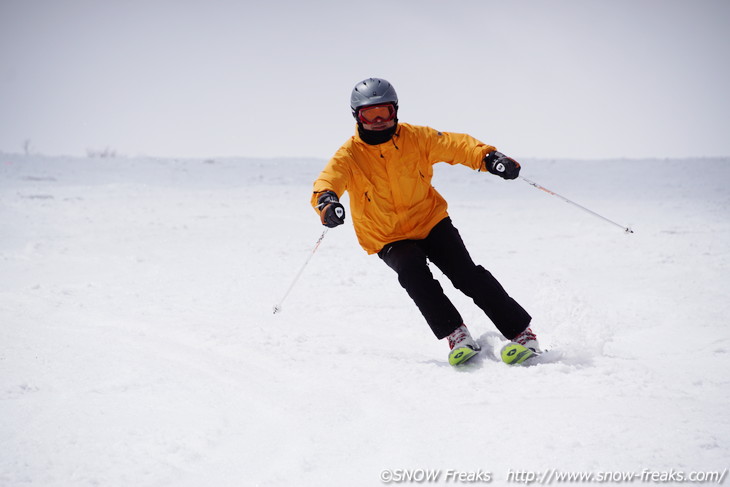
(375, 137)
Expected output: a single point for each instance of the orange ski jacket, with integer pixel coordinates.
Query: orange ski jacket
(391, 197)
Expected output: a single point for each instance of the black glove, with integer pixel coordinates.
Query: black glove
(331, 211)
(501, 165)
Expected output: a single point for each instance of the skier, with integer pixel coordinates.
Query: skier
(387, 168)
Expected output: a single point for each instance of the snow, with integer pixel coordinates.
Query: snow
(138, 344)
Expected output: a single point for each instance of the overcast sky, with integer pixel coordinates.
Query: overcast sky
(212, 78)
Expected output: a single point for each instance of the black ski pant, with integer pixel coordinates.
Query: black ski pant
(445, 249)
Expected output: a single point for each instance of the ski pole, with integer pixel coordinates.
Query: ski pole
(532, 183)
(277, 307)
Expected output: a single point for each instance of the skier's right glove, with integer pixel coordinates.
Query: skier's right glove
(331, 211)
(501, 165)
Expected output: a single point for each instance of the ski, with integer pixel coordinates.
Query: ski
(513, 353)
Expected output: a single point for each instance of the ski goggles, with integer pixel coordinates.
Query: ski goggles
(376, 113)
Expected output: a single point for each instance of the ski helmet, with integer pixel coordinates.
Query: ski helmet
(372, 91)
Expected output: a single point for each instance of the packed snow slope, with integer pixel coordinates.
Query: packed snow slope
(138, 345)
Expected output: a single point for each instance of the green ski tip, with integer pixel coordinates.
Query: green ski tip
(460, 355)
(514, 353)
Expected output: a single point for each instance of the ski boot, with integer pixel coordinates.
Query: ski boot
(521, 348)
(462, 345)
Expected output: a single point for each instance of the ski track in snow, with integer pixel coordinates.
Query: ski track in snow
(138, 344)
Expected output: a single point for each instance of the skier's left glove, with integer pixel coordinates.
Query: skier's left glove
(331, 211)
(501, 165)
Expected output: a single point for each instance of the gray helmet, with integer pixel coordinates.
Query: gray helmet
(372, 91)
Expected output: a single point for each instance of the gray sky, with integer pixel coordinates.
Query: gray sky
(211, 78)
